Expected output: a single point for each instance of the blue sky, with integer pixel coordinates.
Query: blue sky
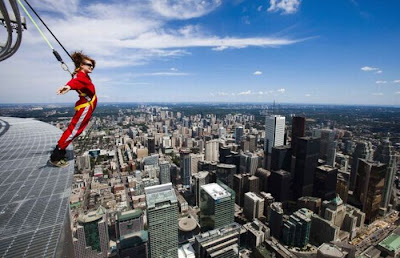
(290, 51)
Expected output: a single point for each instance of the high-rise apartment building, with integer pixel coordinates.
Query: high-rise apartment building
(212, 150)
(217, 206)
(186, 168)
(274, 132)
(162, 220)
(165, 172)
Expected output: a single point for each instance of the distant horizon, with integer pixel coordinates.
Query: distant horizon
(206, 103)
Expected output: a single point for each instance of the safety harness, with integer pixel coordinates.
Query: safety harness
(90, 101)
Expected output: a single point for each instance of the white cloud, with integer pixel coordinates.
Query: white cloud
(121, 34)
(379, 71)
(177, 9)
(259, 8)
(260, 93)
(173, 69)
(286, 6)
(381, 82)
(245, 92)
(397, 93)
(307, 95)
(396, 81)
(221, 93)
(377, 94)
(281, 90)
(160, 74)
(368, 69)
(257, 73)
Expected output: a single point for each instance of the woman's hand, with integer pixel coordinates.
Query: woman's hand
(64, 89)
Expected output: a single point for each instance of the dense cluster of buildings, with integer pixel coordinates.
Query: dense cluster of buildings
(155, 183)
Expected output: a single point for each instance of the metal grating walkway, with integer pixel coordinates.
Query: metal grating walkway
(33, 195)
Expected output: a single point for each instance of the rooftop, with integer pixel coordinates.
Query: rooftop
(216, 191)
(159, 194)
(391, 243)
(34, 195)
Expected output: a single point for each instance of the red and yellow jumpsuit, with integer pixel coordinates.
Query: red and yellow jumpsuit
(84, 108)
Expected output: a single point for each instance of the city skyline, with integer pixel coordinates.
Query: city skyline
(336, 52)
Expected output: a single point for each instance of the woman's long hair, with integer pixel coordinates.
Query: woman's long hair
(78, 58)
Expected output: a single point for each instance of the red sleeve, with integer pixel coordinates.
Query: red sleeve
(79, 82)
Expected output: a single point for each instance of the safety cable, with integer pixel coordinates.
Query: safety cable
(56, 54)
(37, 15)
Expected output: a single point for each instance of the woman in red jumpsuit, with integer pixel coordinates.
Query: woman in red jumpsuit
(84, 107)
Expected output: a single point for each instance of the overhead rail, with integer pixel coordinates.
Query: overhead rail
(13, 22)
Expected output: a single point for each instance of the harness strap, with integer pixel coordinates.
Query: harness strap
(90, 102)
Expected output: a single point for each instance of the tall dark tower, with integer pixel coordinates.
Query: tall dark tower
(306, 162)
(369, 187)
(325, 182)
(281, 158)
(298, 130)
(151, 144)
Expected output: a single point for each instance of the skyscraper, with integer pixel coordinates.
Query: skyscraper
(385, 153)
(328, 146)
(253, 206)
(194, 162)
(274, 132)
(225, 173)
(325, 182)
(243, 183)
(369, 187)
(298, 130)
(296, 230)
(151, 144)
(200, 179)
(217, 206)
(306, 162)
(165, 173)
(276, 219)
(186, 168)
(281, 158)
(248, 163)
(212, 150)
(363, 151)
(162, 220)
(238, 134)
(280, 185)
(91, 237)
